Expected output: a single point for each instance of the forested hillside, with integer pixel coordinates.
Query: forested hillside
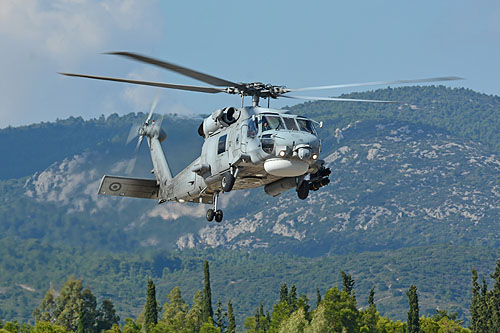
(414, 199)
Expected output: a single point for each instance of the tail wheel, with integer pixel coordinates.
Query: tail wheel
(218, 215)
(227, 182)
(303, 190)
(210, 215)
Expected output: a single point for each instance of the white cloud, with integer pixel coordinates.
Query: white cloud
(40, 38)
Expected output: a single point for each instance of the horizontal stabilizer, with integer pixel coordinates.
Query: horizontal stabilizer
(129, 187)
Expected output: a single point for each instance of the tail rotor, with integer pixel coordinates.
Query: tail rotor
(140, 130)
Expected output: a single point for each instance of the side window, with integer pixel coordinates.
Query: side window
(252, 129)
(221, 147)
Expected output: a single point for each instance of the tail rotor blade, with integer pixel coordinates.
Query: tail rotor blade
(134, 131)
(153, 107)
(139, 144)
(131, 165)
(160, 120)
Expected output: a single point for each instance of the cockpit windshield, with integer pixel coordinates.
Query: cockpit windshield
(271, 123)
(306, 125)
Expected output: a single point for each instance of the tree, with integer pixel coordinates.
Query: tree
(151, 307)
(45, 327)
(175, 310)
(80, 324)
(284, 293)
(106, 316)
(208, 327)
(371, 297)
(231, 321)
(295, 323)
(69, 304)
(347, 282)
(195, 314)
(219, 316)
(369, 316)
(494, 300)
(207, 295)
(318, 297)
(303, 302)
(413, 322)
(292, 298)
(88, 310)
(45, 312)
(281, 312)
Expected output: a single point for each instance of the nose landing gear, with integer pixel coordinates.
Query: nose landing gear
(215, 213)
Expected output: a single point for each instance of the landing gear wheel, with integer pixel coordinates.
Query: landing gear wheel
(218, 215)
(303, 190)
(210, 215)
(227, 182)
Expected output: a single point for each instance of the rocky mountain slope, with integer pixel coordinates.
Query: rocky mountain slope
(422, 174)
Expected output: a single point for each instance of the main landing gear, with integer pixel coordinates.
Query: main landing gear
(217, 213)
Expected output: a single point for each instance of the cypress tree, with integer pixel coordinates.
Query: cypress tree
(494, 300)
(413, 323)
(231, 321)
(318, 297)
(371, 297)
(219, 316)
(347, 282)
(284, 293)
(292, 298)
(151, 307)
(475, 308)
(257, 320)
(207, 311)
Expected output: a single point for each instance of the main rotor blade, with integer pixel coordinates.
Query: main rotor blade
(179, 69)
(337, 99)
(209, 90)
(376, 83)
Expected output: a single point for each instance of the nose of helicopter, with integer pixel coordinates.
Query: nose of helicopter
(295, 152)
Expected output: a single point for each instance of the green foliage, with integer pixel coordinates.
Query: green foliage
(75, 309)
(207, 312)
(494, 300)
(150, 308)
(284, 293)
(413, 316)
(231, 321)
(347, 282)
(45, 327)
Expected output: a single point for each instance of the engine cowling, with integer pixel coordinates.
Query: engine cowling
(217, 120)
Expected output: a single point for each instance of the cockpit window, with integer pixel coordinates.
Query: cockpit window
(252, 129)
(305, 125)
(271, 123)
(290, 124)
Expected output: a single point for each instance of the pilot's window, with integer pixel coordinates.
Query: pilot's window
(290, 124)
(267, 143)
(305, 125)
(271, 123)
(252, 129)
(221, 147)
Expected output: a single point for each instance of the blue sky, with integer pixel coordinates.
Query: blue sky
(294, 43)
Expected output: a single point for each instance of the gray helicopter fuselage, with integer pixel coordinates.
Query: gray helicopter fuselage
(260, 146)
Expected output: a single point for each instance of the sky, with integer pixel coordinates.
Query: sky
(291, 43)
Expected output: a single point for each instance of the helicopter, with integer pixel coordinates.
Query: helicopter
(244, 147)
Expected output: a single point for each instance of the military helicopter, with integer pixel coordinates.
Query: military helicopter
(244, 147)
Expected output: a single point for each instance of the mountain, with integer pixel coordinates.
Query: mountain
(414, 185)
